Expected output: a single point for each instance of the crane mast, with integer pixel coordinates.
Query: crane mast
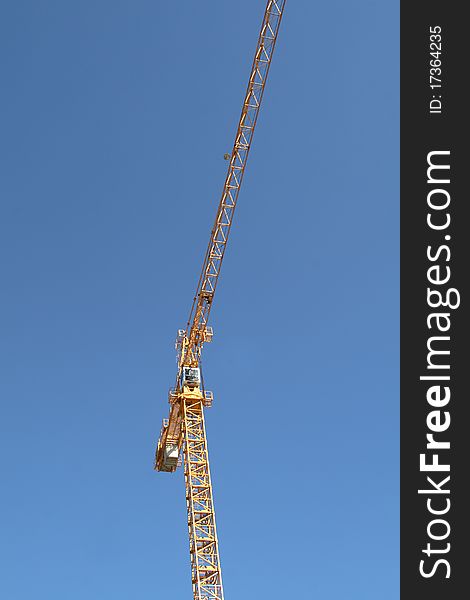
(185, 429)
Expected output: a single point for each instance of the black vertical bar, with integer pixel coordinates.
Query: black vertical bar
(435, 260)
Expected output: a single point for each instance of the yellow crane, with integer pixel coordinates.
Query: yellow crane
(184, 430)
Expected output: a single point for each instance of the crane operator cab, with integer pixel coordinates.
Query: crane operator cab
(190, 376)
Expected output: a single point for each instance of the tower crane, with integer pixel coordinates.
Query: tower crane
(183, 433)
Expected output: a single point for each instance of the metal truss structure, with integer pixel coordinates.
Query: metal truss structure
(199, 315)
(185, 429)
(203, 544)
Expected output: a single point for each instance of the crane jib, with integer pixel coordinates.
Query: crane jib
(210, 272)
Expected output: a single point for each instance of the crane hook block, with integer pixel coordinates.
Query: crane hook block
(208, 398)
(208, 335)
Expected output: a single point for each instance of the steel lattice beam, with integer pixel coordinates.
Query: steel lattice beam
(203, 543)
(199, 315)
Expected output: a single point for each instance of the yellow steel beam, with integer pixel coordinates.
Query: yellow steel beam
(203, 544)
(202, 303)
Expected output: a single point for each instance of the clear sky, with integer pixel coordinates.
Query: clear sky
(115, 117)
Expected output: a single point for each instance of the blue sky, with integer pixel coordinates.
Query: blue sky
(115, 119)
